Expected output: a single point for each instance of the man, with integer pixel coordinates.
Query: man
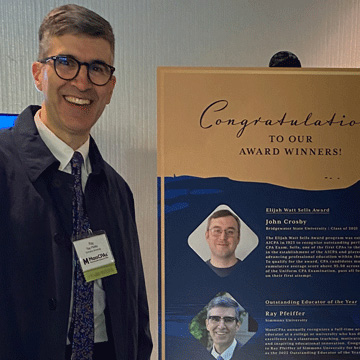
(223, 236)
(222, 323)
(48, 309)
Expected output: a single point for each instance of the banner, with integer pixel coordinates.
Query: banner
(258, 176)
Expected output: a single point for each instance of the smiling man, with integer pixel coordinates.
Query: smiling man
(72, 107)
(223, 236)
(222, 323)
(64, 207)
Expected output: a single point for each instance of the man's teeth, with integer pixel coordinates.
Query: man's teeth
(77, 101)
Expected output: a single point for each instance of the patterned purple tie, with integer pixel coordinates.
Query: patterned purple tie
(81, 333)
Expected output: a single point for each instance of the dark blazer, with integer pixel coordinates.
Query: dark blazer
(235, 356)
(237, 352)
(36, 250)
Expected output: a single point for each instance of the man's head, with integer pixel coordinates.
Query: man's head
(284, 59)
(74, 71)
(223, 236)
(75, 20)
(223, 321)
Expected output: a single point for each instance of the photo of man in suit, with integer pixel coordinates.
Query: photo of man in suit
(222, 323)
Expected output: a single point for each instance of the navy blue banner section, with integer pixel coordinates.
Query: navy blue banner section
(296, 281)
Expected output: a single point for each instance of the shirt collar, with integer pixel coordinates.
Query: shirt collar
(61, 151)
(227, 354)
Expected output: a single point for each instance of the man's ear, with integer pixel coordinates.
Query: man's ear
(37, 74)
(206, 323)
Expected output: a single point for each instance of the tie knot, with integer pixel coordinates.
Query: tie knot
(76, 162)
(77, 158)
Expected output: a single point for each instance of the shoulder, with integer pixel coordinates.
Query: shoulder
(117, 188)
(100, 166)
(6, 141)
(23, 125)
(237, 352)
(9, 157)
(223, 272)
(116, 180)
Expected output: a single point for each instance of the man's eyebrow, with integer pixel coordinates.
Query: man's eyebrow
(61, 54)
(219, 227)
(89, 62)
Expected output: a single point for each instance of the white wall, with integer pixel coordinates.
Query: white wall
(151, 33)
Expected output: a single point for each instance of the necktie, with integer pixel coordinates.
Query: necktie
(81, 331)
(220, 358)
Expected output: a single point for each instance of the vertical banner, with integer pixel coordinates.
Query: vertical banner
(259, 213)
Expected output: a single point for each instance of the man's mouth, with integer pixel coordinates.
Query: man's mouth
(221, 333)
(77, 101)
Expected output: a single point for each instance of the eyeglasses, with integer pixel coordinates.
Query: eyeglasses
(227, 319)
(216, 231)
(67, 68)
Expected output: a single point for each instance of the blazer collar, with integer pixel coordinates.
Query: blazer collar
(35, 155)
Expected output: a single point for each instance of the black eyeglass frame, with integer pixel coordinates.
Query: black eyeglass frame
(227, 319)
(56, 57)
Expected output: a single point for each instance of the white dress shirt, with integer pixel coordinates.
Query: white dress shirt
(227, 354)
(63, 153)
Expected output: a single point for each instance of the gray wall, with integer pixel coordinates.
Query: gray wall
(151, 33)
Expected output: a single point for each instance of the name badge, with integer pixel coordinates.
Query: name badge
(95, 256)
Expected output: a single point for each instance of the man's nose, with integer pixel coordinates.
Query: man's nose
(82, 81)
(222, 323)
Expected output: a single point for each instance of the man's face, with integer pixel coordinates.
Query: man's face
(222, 332)
(223, 246)
(71, 108)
